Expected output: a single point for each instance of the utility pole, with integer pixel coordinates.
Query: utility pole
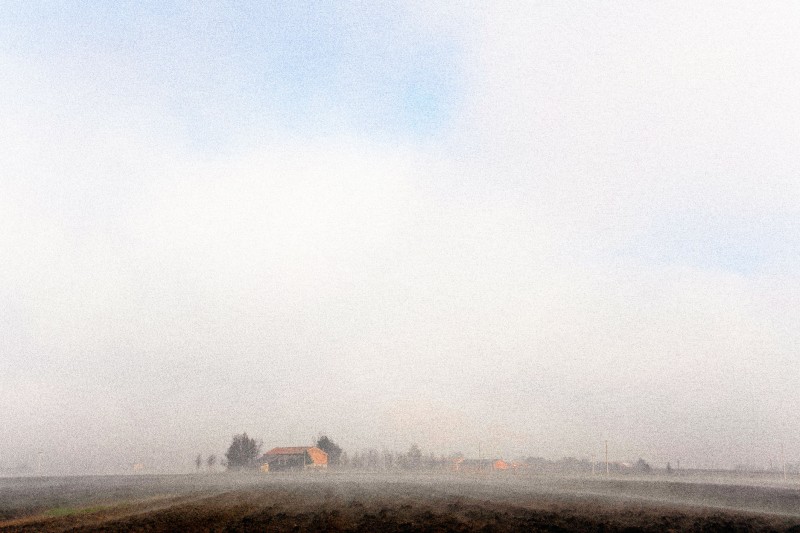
(608, 472)
(783, 459)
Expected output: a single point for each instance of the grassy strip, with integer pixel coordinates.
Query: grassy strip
(70, 511)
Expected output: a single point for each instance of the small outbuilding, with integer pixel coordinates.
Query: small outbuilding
(294, 458)
(479, 465)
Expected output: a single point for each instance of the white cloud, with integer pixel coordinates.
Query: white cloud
(476, 284)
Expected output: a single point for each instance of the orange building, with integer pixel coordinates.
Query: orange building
(294, 458)
(479, 465)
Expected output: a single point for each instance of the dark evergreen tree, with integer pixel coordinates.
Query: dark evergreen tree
(243, 452)
(328, 446)
(642, 466)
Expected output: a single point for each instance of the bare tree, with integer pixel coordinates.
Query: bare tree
(388, 460)
(372, 459)
(211, 461)
(414, 457)
(198, 461)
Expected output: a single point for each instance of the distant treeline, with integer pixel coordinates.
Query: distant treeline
(245, 452)
(413, 459)
(573, 465)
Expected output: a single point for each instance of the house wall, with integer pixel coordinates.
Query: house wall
(288, 462)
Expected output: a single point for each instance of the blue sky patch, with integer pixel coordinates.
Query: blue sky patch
(741, 246)
(225, 70)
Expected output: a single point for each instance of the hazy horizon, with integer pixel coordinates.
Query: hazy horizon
(531, 227)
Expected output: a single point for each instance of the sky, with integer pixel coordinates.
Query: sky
(525, 228)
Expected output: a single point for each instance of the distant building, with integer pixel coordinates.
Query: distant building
(294, 458)
(479, 465)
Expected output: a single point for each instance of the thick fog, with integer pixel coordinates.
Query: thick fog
(526, 228)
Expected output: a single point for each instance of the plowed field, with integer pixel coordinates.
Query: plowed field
(340, 502)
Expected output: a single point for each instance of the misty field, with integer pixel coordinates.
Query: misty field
(379, 502)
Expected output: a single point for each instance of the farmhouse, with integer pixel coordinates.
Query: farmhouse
(479, 465)
(294, 458)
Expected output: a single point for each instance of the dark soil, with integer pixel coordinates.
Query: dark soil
(338, 504)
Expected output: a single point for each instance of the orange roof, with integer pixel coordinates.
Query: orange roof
(318, 457)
